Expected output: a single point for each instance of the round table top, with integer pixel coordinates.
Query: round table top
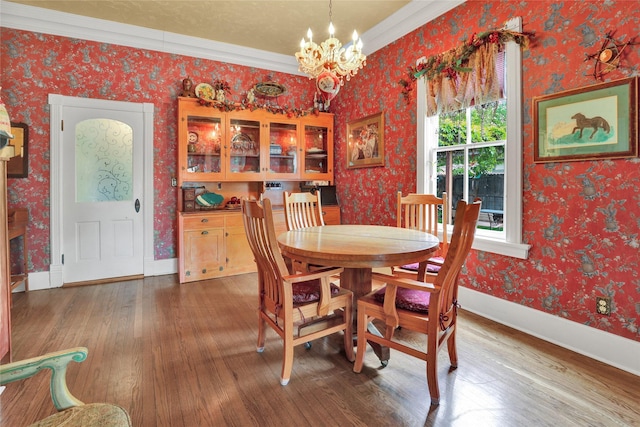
(357, 246)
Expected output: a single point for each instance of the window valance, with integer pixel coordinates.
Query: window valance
(470, 74)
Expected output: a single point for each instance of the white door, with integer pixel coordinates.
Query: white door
(102, 189)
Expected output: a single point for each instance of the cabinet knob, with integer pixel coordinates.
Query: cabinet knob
(204, 220)
(204, 271)
(204, 233)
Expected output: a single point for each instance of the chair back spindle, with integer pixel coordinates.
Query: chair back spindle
(422, 212)
(302, 210)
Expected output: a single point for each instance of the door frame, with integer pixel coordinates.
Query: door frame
(56, 104)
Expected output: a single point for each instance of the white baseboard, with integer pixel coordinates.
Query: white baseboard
(611, 349)
(41, 280)
(161, 267)
(53, 279)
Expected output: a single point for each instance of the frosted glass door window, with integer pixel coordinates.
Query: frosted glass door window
(104, 161)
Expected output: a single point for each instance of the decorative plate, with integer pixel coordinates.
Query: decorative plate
(205, 92)
(209, 199)
(242, 144)
(269, 89)
(241, 137)
(193, 137)
(606, 55)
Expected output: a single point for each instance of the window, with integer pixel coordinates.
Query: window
(477, 152)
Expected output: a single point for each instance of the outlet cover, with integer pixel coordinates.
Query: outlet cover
(603, 305)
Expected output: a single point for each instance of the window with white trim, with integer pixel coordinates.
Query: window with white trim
(462, 152)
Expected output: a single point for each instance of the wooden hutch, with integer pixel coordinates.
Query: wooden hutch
(241, 153)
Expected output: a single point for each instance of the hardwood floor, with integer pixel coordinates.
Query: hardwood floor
(184, 355)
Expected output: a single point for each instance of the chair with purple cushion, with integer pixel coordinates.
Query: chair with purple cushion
(299, 307)
(428, 307)
(423, 212)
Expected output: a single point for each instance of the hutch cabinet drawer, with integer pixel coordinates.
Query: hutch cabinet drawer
(193, 222)
(234, 219)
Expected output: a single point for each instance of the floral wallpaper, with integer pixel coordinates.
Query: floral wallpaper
(34, 65)
(582, 219)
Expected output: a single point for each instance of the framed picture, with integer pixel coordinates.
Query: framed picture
(365, 142)
(594, 122)
(17, 151)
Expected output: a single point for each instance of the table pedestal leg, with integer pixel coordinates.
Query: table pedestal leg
(358, 281)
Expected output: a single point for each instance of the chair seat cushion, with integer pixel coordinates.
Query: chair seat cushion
(307, 292)
(431, 268)
(89, 415)
(407, 299)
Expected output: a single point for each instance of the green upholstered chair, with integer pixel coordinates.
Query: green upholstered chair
(72, 412)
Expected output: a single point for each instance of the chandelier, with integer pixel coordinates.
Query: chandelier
(330, 63)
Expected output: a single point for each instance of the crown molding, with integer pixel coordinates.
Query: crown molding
(40, 20)
(414, 15)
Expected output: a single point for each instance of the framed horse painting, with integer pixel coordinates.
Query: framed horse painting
(593, 122)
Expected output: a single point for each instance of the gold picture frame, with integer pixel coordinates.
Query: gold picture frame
(589, 123)
(365, 142)
(17, 151)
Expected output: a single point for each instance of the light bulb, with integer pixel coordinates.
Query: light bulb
(331, 29)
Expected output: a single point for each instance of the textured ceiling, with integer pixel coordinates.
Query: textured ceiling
(273, 26)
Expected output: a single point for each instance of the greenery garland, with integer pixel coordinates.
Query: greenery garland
(449, 64)
(290, 112)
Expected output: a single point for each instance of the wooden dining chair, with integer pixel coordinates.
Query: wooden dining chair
(428, 307)
(302, 210)
(71, 411)
(422, 212)
(299, 307)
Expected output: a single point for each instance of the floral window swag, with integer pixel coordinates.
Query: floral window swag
(465, 75)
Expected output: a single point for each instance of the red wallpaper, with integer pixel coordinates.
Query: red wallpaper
(581, 218)
(34, 65)
(569, 208)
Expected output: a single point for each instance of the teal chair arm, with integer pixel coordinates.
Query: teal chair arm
(57, 362)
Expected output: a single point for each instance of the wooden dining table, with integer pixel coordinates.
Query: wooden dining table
(359, 249)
